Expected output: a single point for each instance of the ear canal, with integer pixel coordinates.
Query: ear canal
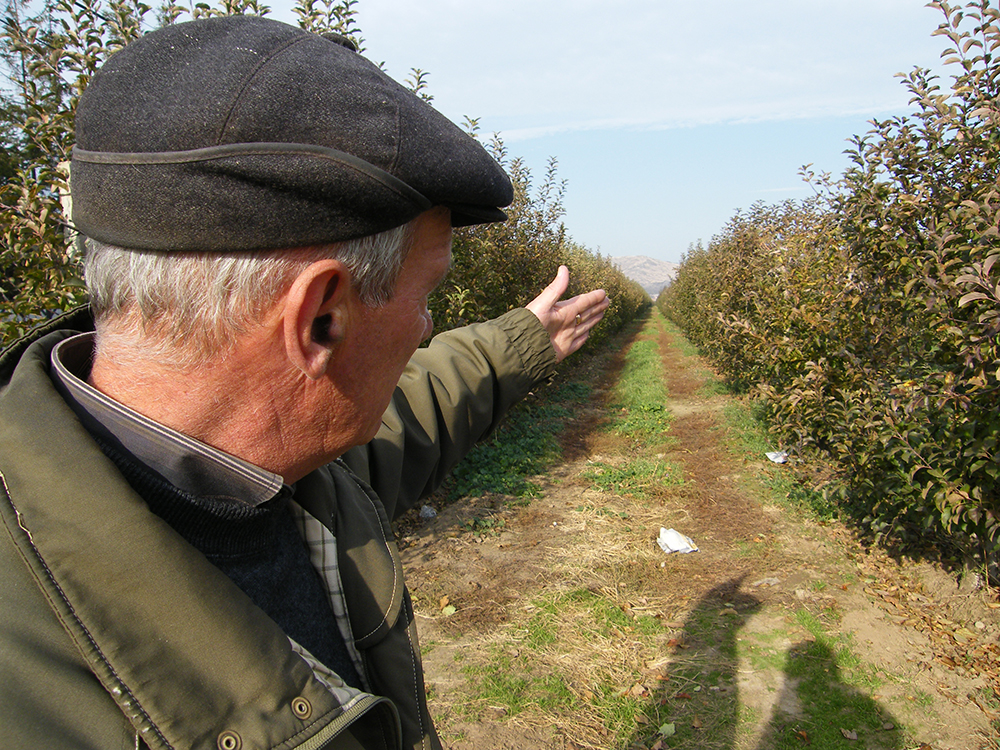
(321, 332)
(326, 330)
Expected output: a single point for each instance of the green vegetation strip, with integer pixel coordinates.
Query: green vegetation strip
(639, 408)
(638, 411)
(633, 478)
(524, 446)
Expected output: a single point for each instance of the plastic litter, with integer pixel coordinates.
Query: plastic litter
(427, 512)
(674, 541)
(779, 457)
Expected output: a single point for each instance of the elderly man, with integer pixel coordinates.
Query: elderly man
(199, 470)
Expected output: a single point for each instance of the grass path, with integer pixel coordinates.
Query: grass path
(550, 618)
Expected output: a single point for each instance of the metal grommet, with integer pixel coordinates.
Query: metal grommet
(229, 740)
(302, 708)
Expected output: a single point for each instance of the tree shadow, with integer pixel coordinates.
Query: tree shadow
(700, 704)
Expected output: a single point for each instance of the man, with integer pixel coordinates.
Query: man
(196, 550)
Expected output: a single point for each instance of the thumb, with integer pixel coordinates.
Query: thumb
(548, 297)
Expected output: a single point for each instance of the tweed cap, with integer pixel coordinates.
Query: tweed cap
(243, 133)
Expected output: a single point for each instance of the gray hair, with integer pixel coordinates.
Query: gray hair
(187, 308)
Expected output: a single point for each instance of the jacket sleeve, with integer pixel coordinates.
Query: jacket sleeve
(451, 395)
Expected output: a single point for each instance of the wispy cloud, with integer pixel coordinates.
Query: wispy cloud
(538, 67)
(707, 116)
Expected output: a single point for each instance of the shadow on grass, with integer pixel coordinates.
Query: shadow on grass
(816, 707)
(700, 704)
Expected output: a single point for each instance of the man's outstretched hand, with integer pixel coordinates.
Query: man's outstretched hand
(568, 321)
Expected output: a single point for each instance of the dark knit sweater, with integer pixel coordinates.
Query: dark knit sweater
(259, 549)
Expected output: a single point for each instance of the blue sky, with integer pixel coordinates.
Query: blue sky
(665, 117)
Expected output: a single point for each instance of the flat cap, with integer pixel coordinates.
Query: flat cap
(243, 133)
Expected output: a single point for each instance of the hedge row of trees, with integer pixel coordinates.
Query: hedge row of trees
(500, 266)
(50, 54)
(867, 317)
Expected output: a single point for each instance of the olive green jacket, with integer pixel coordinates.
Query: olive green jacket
(115, 633)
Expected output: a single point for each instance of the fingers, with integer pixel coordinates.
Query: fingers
(585, 308)
(579, 316)
(571, 340)
(591, 302)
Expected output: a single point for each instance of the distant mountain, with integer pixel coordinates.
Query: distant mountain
(651, 274)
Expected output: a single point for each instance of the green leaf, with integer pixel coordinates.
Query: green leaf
(667, 730)
(971, 297)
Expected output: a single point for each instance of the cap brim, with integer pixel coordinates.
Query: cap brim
(466, 215)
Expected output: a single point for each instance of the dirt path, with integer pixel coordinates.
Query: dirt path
(573, 586)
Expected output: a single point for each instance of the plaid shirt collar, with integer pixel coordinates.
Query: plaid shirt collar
(188, 464)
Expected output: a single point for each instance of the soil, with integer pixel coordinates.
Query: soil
(935, 631)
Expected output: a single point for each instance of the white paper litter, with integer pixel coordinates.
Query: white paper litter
(674, 541)
(779, 457)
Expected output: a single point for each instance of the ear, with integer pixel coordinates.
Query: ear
(316, 312)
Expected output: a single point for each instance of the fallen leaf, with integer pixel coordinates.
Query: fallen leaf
(667, 730)
(803, 736)
(683, 696)
(964, 635)
(638, 690)
(849, 734)
(658, 745)
(696, 723)
(449, 610)
(443, 602)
